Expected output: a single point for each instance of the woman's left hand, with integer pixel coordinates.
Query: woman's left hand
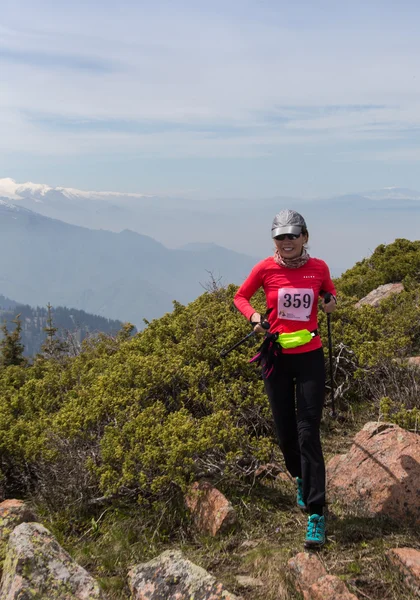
(329, 307)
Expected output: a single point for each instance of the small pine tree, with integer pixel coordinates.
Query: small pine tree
(11, 347)
(125, 332)
(53, 346)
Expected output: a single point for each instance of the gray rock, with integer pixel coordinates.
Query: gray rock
(36, 566)
(171, 576)
(375, 297)
(249, 544)
(12, 513)
(249, 582)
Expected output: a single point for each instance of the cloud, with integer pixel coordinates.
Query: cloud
(155, 79)
(256, 134)
(396, 155)
(48, 60)
(60, 123)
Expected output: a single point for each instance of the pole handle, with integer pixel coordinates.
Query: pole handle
(264, 324)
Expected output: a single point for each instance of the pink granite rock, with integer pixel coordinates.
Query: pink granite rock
(375, 297)
(407, 560)
(306, 569)
(312, 581)
(380, 475)
(211, 510)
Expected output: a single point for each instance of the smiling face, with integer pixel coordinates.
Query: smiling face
(290, 248)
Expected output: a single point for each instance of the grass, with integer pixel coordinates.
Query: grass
(270, 531)
(355, 551)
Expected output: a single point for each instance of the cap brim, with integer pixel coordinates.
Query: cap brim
(295, 229)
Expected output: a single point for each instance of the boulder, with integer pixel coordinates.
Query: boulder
(173, 577)
(12, 514)
(330, 587)
(312, 581)
(375, 297)
(407, 560)
(36, 566)
(306, 569)
(211, 510)
(414, 361)
(380, 475)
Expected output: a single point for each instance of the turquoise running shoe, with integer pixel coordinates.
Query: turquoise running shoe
(315, 532)
(299, 497)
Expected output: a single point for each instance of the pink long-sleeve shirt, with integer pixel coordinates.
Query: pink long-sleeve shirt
(291, 293)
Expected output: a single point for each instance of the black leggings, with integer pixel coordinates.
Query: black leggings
(298, 421)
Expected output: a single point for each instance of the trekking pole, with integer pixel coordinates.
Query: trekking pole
(327, 298)
(264, 323)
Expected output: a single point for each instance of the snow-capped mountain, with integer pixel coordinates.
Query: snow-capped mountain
(113, 211)
(11, 207)
(6, 204)
(243, 225)
(172, 220)
(41, 192)
(392, 193)
(16, 191)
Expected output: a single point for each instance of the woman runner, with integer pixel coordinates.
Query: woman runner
(294, 372)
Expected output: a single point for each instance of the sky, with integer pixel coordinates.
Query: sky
(245, 98)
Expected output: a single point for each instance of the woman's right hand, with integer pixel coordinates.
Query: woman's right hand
(256, 321)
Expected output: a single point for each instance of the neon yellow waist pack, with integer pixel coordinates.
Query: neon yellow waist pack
(295, 339)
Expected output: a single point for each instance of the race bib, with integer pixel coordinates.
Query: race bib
(295, 304)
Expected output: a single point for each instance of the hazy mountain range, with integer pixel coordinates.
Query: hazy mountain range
(343, 229)
(123, 275)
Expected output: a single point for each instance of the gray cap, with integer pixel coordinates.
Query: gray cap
(287, 221)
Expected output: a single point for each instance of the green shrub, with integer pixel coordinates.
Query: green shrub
(138, 418)
(145, 414)
(388, 264)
